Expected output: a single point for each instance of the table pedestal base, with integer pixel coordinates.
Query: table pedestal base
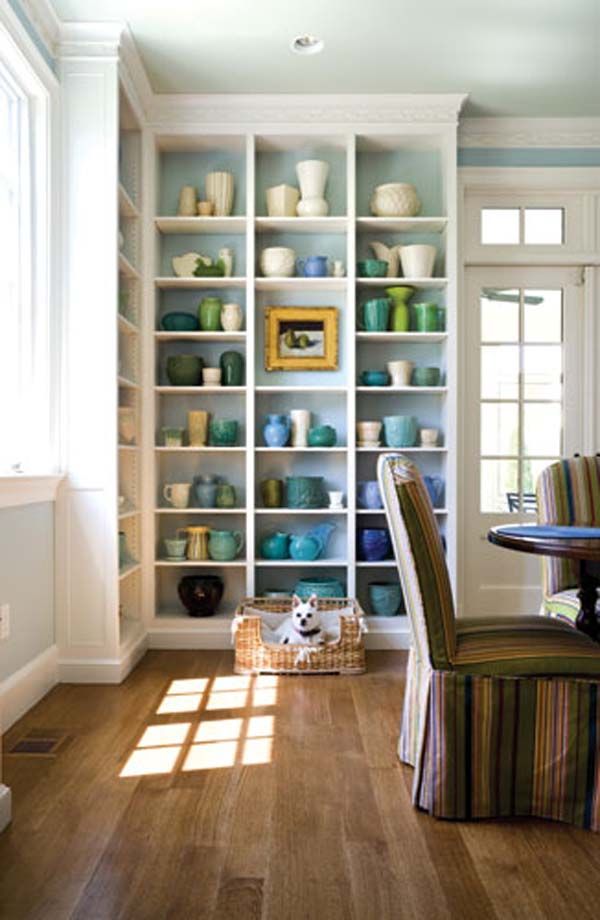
(587, 620)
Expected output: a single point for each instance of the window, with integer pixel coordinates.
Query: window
(514, 226)
(25, 364)
(521, 393)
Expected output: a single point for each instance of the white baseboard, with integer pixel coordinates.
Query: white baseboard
(102, 670)
(24, 688)
(5, 807)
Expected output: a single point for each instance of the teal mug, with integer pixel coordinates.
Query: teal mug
(375, 315)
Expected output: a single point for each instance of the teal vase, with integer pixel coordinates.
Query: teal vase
(232, 369)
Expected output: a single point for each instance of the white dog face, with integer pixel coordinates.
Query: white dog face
(305, 615)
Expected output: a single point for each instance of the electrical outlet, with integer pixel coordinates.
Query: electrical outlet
(4, 621)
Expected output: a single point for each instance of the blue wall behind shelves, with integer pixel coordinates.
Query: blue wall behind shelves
(27, 583)
(499, 157)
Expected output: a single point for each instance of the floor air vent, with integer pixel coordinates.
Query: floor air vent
(39, 742)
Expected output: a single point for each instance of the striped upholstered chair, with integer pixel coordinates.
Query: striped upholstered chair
(501, 715)
(568, 492)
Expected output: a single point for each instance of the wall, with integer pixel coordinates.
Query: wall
(34, 35)
(497, 157)
(27, 583)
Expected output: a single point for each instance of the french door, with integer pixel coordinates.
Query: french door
(522, 399)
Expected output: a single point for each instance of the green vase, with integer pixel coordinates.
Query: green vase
(400, 313)
(209, 314)
(225, 495)
(222, 432)
(271, 491)
(232, 369)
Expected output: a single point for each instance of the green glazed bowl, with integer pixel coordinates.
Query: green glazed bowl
(184, 370)
(322, 436)
(179, 322)
(426, 377)
(372, 268)
(222, 432)
(322, 587)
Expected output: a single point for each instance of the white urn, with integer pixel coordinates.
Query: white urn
(312, 176)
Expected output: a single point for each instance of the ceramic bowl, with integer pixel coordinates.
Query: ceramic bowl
(395, 199)
(322, 436)
(369, 431)
(278, 262)
(385, 598)
(375, 378)
(322, 587)
(205, 208)
(372, 268)
(179, 322)
(184, 370)
(426, 377)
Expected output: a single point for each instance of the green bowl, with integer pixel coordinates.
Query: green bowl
(184, 370)
(222, 432)
(372, 268)
(426, 377)
(179, 322)
(322, 436)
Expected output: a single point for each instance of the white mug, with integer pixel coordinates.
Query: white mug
(177, 494)
(429, 437)
(400, 372)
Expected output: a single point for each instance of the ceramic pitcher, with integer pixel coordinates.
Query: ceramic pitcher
(225, 545)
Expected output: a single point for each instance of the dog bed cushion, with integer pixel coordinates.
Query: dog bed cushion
(272, 623)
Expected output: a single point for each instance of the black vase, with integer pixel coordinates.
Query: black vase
(200, 594)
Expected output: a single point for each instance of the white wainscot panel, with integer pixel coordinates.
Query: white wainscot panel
(89, 573)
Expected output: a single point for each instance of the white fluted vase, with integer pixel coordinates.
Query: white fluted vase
(219, 190)
(312, 176)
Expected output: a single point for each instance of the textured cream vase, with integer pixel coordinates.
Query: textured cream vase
(198, 427)
(219, 190)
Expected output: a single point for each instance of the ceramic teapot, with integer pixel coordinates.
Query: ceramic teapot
(311, 545)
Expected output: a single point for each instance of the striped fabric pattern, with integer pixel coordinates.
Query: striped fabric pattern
(568, 492)
(503, 727)
(502, 747)
(420, 557)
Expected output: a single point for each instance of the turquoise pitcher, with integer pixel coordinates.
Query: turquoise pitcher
(225, 545)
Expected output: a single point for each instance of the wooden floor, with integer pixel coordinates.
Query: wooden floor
(280, 800)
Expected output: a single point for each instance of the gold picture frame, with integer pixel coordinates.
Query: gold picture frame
(301, 338)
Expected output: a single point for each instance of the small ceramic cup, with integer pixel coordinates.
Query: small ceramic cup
(336, 499)
(175, 547)
(368, 433)
(337, 268)
(400, 372)
(205, 208)
(429, 437)
(177, 494)
(211, 376)
(173, 437)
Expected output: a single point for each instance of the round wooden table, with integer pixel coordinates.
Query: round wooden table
(583, 550)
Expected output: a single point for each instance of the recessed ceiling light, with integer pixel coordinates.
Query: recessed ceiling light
(307, 44)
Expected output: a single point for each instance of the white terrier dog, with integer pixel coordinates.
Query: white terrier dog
(303, 627)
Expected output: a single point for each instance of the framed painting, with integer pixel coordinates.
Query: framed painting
(301, 338)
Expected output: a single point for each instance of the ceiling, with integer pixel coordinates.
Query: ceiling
(513, 57)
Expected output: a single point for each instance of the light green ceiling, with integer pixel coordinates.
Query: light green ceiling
(514, 57)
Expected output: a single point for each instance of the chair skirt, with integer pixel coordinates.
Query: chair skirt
(486, 747)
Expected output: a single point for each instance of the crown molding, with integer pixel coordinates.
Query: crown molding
(90, 40)
(42, 16)
(529, 132)
(134, 76)
(291, 108)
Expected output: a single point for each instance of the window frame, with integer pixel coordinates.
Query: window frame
(38, 84)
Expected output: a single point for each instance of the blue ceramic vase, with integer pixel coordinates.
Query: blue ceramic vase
(374, 544)
(205, 490)
(276, 431)
(368, 494)
(313, 267)
(400, 430)
(435, 488)
(385, 598)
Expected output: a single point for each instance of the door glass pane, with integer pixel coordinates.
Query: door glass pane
(500, 371)
(542, 429)
(544, 226)
(499, 484)
(543, 316)
(499, 315)
(499, 226)
(500, 429)
(542, 369)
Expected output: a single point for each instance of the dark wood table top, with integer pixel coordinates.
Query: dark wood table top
(577, 548)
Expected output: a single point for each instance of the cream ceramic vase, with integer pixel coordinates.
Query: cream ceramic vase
(312, 176)
(300, 425)
(231, 317)
(417, 260)
(389, 254)
(219, 189)
(127, 426)
(187, 201)
(198, 427)
(226, 256)
(278, 262)
(400, 372)
(282, 200)
(395, 199)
